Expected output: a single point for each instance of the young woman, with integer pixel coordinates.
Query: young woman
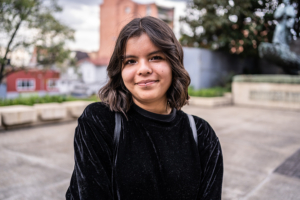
(156, 156)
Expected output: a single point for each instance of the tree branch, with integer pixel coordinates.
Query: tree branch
(13, 71)
(10, 42)
(8, 49)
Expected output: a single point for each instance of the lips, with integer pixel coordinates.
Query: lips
(146, 82)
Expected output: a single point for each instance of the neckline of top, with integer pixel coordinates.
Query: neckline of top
(155, 116)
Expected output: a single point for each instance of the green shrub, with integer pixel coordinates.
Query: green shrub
(208, 92)
(29, 101)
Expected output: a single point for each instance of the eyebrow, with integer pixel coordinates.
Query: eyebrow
(132, 56)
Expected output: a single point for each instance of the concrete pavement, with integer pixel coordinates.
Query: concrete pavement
(36, 163)
(255, 142)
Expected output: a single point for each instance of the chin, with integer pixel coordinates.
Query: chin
(147, 97)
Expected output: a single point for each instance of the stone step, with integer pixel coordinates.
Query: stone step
(17, 114)
(23, 116)
(75, 108)
(211, 101)
(50, 111)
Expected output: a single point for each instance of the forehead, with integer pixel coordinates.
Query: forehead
(140, 44)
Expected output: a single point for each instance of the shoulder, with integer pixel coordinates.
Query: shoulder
(205, 131)
(97, 111)
(99, 117)
(208, 142)
(93, 138)
(206, 134)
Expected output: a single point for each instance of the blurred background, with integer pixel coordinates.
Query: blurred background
(243, 57)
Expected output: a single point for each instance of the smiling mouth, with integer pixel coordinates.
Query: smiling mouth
(146, 83)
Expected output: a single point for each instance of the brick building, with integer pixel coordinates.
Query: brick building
(114, 14)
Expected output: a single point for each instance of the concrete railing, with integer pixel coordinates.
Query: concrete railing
(12, 115)
(270, 91)
(22, 116)
(211, 101)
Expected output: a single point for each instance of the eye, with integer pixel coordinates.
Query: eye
(129, 62)
(156, 58)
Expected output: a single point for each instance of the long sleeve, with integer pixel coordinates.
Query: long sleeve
(211, 163)
(155, 160)
(91, 178)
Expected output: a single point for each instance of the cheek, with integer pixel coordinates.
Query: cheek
(166, 72)
(128, 76)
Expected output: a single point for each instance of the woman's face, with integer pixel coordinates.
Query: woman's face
(146, 72)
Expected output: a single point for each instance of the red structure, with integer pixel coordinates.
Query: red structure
(115, 14)
(32, 81)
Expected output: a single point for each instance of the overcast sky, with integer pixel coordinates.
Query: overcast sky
(83, 17)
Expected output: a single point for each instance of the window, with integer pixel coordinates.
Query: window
(127, 10)
(148, 10)
(25, 84)
(51, 84)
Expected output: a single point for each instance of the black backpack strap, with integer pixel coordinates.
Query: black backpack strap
(193, 127)
(118, 124)
(117, 133)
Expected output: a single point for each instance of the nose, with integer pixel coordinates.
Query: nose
(144, 68)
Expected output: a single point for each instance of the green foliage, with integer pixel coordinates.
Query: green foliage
(208, 92)
(212, 25)
(29, 101)
(51, 48)
(48, 56)
(37, 16)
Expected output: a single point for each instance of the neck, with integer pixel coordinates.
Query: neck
(160, 107)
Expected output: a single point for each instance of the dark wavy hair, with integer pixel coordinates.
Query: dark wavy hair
(115, 95)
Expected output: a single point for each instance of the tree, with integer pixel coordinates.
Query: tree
(234, 26)
(36, 16)
(50, 55)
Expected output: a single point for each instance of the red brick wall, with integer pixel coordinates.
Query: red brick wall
(113, 17)
(40, 77)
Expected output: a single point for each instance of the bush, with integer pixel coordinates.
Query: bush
(208, 92)
(29, 101)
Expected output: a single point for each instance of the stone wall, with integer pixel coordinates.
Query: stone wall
(281, 91)
(210, 68)
(39, 114)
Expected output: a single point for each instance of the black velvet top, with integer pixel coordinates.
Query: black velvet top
(157, 157)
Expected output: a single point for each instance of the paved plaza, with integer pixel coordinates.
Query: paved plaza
(260, 149)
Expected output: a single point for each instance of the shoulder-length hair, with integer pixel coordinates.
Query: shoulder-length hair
(116, 95)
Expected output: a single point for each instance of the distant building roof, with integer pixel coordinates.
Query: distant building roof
(100, 61)
(144, 1)
(96, 61)
(137, 1)
(81, 55)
